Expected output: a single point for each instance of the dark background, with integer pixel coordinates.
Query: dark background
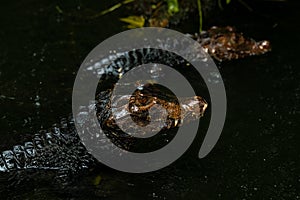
(257, 156)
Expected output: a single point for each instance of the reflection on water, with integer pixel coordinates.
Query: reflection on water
(256, 156)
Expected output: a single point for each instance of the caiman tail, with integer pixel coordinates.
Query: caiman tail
(56, 149)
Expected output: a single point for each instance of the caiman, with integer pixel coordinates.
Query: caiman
(60, 147)
(225, 43)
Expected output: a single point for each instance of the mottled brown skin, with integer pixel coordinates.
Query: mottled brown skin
(224, 43)
(194, 107)
(137, 106)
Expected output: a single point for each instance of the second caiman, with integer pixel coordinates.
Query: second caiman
(60, 147)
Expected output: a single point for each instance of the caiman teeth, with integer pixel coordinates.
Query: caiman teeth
(204, 107)
(176, 122)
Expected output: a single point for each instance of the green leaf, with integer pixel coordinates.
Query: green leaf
(58, 9)
(114, 7)
(172, 6)
(134, 21)
(97, 180)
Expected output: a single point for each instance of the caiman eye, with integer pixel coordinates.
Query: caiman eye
(264, 45)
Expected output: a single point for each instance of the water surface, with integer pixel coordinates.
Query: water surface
(257, 156)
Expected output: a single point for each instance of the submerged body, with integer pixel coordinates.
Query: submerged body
(60, 148)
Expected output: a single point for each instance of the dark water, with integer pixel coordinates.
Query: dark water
(257, 156)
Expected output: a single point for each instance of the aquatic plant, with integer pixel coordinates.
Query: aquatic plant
(159, 13)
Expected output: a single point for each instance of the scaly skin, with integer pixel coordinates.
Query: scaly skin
(56, 149)
(60, 148)
(225, 43)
